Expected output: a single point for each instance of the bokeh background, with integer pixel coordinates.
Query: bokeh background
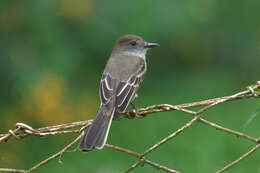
(52, 54)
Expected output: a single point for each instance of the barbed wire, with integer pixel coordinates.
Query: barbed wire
(22, 130)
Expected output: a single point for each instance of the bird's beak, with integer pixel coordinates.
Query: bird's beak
(151, 45)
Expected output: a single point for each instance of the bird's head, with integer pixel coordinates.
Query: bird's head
(133, 45)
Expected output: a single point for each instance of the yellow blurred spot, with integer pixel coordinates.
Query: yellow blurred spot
(51, 102)
(47, 100)
(48, 92)
(76, 10)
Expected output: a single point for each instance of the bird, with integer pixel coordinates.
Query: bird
(123, 74)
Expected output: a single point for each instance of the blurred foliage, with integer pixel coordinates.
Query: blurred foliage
(53, 52)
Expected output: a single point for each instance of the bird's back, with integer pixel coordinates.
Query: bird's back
(123, 71)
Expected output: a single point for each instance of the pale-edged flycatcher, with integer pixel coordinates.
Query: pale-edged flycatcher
(120, 80)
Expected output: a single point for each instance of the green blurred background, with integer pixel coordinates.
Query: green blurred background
(52, 54)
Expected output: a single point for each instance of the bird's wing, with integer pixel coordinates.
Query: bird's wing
(117, 93)
(127, 89)
(106, 88)
(125, 92)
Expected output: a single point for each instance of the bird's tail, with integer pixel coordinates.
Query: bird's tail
(96, 135)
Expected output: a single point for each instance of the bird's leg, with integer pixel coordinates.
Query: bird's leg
(135, 96)
(134, 108)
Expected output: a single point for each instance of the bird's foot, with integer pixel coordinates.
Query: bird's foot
(134, 108)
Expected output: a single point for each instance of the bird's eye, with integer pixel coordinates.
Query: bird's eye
(133, 43)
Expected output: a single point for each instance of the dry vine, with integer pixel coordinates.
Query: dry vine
(22, 130)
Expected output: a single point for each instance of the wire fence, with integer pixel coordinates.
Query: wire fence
(22, 130)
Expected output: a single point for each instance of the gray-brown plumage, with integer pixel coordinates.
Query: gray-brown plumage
(120, 80)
